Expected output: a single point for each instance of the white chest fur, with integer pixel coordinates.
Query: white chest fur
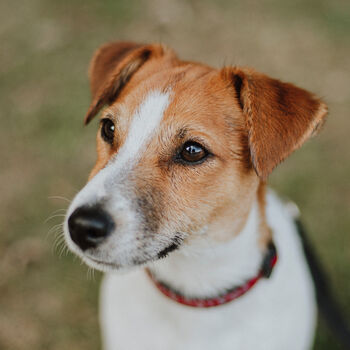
(278, 313)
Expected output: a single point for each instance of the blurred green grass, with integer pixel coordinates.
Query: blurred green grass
(48, 300)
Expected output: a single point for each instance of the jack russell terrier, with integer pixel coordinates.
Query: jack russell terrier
(177, 202)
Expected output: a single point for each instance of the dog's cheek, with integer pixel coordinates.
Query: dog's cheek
(149, 206)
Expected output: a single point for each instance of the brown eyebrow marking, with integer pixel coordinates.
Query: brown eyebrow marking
(108, 115)
(182, 133)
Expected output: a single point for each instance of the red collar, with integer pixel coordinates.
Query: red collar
(267, 266)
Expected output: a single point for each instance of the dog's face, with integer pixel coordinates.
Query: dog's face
(181, 152)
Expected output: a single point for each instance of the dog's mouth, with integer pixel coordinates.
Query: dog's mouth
(101, 264)
(164, 253)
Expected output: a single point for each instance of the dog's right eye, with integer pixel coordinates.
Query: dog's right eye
(107, 130)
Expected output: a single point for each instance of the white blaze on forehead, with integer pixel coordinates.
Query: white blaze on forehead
(144, 123)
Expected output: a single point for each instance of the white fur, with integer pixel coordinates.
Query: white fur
(278, 313)
(220, 269)
(144, 123)
(110, 185)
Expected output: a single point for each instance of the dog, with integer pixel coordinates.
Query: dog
(198, 254)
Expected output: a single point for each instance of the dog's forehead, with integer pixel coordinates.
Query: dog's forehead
(195, 95)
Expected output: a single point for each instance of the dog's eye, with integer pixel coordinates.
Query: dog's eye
(107, 130)
(193, 152)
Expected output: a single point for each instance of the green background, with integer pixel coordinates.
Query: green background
(48, 300)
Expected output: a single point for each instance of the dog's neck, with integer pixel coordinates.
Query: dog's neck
(204, 268)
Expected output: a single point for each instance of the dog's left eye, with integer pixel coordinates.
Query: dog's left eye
(107, 130)
(193, 152)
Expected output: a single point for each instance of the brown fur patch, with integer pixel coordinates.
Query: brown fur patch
(112, 67)
(280, 117)
(265, 230)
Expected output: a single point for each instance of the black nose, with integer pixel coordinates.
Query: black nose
(89, 226)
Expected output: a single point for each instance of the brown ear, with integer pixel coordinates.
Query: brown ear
(279, 117)
(111, 68)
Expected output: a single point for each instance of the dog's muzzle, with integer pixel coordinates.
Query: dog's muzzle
(89, 226)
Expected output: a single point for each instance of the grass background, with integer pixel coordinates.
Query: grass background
(48, 301)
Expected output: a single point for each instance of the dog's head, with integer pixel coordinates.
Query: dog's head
(182, 148)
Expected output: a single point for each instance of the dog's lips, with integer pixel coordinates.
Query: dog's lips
(162, 254)
(102, 262)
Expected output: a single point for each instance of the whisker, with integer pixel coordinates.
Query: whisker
(58, 240)
(58, 236)
(89, 274)
(53, 216)
(63, 249)
(60, 197)
(58, 210)
(58, 247)
(54, 228)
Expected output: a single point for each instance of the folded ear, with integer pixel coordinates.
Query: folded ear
(111, 68)
(279, 117)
